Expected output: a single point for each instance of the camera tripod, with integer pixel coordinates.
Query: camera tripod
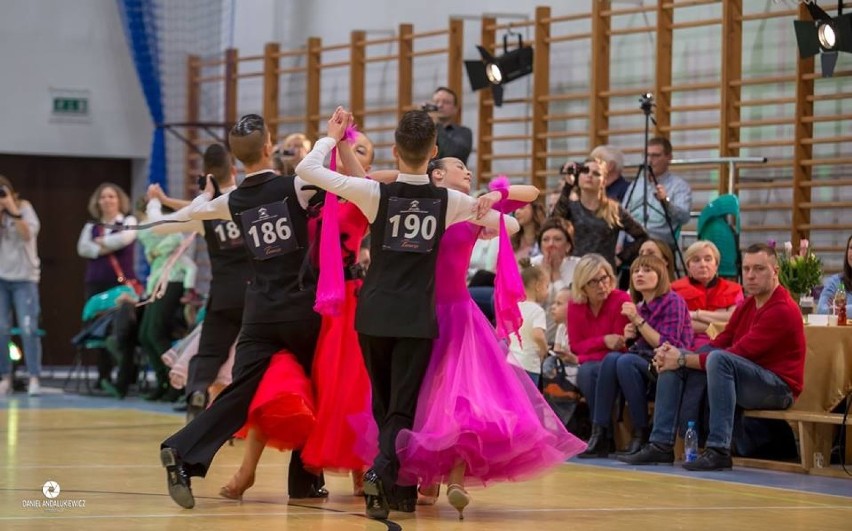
(647, 173)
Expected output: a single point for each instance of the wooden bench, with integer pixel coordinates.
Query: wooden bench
(814, 434)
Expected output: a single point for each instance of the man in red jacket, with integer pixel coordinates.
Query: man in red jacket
(758, 362)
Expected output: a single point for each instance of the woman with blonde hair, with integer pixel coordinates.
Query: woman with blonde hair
(19, 276)
(597, 219)
(595, 322)
(661, 317)
(710, 298)
(109, 253)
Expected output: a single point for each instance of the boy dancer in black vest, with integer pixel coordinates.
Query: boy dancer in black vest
(231, 274)
(271, 213)
(395, 318)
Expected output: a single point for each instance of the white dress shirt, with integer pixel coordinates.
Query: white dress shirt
(365, 193)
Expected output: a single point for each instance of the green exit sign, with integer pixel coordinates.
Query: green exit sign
(71, 106)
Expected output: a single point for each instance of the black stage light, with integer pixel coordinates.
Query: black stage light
(496, 72)
(825, 35)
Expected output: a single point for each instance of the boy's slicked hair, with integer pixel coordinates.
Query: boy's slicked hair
(247, 138)
(415, 137)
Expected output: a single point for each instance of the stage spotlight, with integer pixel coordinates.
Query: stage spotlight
(825, 35)
(496, 72)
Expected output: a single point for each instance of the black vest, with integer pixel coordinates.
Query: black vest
(398, 295)
(283, 287)
(229, 263)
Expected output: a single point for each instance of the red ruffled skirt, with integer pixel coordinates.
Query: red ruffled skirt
(345, 436)
(283, 405)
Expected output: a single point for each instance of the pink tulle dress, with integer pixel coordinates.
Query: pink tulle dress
(473, 405)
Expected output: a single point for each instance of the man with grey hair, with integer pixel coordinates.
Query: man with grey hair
(616, 184)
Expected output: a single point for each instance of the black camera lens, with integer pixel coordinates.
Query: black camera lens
(287, 152)
(574, 168)
(429, 107)
(3, 192)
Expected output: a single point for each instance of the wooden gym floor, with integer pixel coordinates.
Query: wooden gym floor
(104, 456)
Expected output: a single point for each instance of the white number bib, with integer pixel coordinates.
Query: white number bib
(228, 235)
(268, 230)
(412, 224)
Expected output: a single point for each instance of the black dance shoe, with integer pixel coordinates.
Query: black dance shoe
(177, 478)
(374, 494)
(405, 506)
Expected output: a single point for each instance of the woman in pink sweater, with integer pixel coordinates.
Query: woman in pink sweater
(595, 322)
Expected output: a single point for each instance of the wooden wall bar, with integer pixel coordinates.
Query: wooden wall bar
(507, 139)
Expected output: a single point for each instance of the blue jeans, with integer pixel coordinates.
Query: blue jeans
(23, 296)
(587, 381)
(731, 381)
(628, 372)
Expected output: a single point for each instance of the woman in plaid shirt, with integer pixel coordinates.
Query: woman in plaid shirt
(661, 316)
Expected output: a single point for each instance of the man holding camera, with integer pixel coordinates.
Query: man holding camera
(454, 140)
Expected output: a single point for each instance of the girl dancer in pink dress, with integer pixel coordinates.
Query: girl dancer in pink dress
(479, 419)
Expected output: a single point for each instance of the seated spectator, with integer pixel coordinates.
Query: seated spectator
(531, 218)
(597, 219)
(658, 248)
(833, 283)
(661, 317)
(453, 140)
(528, 351)
(290, 152)
(559, 314)
(758, 362)
(556, 242)
(710, 299)
(615, 183)
(595, 322)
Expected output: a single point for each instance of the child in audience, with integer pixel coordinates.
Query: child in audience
(530, 350)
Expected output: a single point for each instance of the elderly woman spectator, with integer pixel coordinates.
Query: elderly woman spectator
(531, 219)
(596, 218)
(595, 322)
(290, 153)
(661, 317)
(833, 284)
(613, 159)
(109, 253)
(19, 276)
(710, 299)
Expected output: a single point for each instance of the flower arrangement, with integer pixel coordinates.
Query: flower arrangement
(799, 273)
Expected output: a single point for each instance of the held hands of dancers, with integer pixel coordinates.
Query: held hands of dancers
(337, 124)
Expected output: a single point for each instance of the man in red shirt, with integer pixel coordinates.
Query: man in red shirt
(758, 362)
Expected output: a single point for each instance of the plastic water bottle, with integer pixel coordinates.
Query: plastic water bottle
(690, 442)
